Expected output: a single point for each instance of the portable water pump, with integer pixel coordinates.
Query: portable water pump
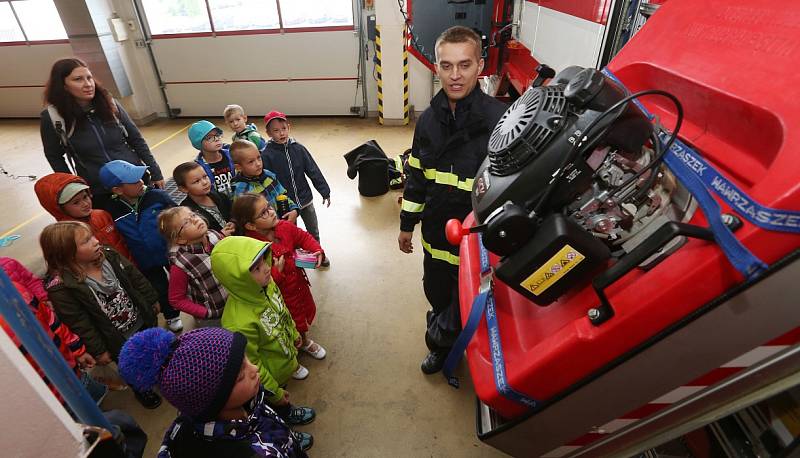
(573, 178)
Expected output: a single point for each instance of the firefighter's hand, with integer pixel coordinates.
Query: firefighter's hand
(326, 201)
(404, 240)
(291, 217)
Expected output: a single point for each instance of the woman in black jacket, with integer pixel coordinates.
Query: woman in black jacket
(83, 127)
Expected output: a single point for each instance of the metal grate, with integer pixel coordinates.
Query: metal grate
(522, 132)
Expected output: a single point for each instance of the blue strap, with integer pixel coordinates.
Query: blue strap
(485, 301)
(689, 167)
(38, 344)
(478, 306)
(741, 258)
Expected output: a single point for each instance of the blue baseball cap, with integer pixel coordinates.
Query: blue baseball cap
(118, 172)
(199, 130)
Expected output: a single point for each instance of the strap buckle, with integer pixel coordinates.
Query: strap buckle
(486, 280)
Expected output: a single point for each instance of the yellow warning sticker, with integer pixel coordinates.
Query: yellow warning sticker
(551, 271)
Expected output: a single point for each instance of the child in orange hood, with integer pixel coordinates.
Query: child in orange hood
(67, 197)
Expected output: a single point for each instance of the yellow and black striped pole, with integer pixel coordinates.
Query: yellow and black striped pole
(379, 71)
(405, 76)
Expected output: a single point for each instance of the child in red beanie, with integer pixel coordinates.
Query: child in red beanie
(205, 374)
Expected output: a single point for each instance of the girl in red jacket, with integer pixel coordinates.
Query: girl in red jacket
(254, 217)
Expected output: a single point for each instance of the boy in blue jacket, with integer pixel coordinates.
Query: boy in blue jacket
(213, 156)
(135, 208)
(292, 162)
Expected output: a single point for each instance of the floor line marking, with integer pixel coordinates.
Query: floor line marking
(32, 218)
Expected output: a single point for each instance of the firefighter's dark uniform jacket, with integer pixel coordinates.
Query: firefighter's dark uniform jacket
(446, 152)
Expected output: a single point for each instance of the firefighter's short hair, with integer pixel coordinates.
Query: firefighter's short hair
(459, 34)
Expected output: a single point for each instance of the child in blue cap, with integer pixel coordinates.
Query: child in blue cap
(134, 208)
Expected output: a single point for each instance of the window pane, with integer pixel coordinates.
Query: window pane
(244, 14)
(9, 29)
(40, 20)
(176, 16)
(316, 13)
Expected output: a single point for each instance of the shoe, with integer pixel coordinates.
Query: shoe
(318, 354)
(304, 439)
(301, 416)
(148, 399)
(175, 324)
(434, 362)
(300, 373)
(325, 262)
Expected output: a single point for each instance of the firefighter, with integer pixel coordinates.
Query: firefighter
(450, 143)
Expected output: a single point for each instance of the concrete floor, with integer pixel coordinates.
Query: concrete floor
(370, 396)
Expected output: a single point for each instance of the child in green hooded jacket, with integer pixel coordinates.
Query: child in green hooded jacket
(256, 309)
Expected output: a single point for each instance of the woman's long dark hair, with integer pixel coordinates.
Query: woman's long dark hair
(68, 108)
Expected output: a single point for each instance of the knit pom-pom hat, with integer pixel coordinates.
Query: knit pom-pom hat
(195, 372)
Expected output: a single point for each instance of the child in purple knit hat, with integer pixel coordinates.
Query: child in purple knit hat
(222, 406)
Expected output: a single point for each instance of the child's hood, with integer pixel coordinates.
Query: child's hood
(49, 187)
(231, 259)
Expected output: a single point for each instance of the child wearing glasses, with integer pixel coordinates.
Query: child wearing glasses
(213, 155)
(254, 217)
(193, 288)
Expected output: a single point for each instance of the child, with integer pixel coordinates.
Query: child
(237, 120)
(192, 179)
(67, 198)
(292, 162)
(135, 209)
(213, 156)
(192, 286)
(255, 218)
(99, 294)
(207, 377)
(252, 177)
(69, 345)
(256, 309)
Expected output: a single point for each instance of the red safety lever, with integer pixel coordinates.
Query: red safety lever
(455, 231)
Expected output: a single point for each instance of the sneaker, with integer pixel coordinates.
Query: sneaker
(325, 262)
(318, 353)
(301, 416)
(304, 439)
(300, 373)
(434, 362)
(148, 399)
(175, 324)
